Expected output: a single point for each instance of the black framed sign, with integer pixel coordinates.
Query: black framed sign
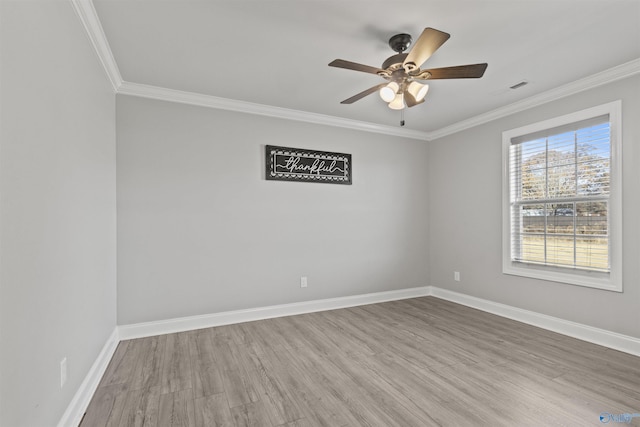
(297, 164)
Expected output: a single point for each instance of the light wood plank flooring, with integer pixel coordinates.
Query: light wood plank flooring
(416, 362)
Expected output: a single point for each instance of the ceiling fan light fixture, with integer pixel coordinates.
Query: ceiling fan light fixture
(402, 70)
(418, 90)
(388, 93)
(398, 102)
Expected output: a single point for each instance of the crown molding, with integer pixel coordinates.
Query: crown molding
(619, 72)
(89, 18)
(209, 101)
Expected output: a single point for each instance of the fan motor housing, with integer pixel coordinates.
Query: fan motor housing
(395, 60)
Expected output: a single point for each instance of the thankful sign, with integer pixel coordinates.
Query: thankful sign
(295, 164)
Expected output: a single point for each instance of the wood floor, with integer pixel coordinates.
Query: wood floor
(416, 362)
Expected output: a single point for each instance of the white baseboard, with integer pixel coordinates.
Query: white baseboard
(81, 399)
(147, 329)
(78, 405)
(598, 336)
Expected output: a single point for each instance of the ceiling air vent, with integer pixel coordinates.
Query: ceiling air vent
(519, 85)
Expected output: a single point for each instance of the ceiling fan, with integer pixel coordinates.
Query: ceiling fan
(403, 72)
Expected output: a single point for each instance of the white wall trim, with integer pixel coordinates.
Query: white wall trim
(147, 329)
(80, 402)
(89, 18)
(587, 333)
(209, 101)
(598, 336)
(81, 399)
(153, 92)
(590, 334)
(605, 77)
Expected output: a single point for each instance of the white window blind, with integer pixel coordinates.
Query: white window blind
(562, 199)
(559, 182)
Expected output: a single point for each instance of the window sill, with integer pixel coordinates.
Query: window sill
(604, 281)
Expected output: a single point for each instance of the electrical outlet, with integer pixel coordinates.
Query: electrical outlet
(456, 276)
(63, 372)
(303, 282)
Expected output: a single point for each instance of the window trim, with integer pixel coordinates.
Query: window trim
(611, 281)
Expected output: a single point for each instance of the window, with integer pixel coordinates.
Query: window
(561, 199)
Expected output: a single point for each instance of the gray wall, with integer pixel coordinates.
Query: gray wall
(465, 190)
(57, 207)
(201, 231)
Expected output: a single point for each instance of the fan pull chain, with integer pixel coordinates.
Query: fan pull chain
(402, 117)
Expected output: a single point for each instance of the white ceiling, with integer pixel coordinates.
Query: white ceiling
(275, 52)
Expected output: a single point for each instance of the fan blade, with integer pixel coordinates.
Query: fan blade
(362, 94)
(341, 63)
(474, 71)
(428, 42)
(410, 100)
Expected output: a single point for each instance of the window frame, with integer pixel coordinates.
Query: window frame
(611, 281)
